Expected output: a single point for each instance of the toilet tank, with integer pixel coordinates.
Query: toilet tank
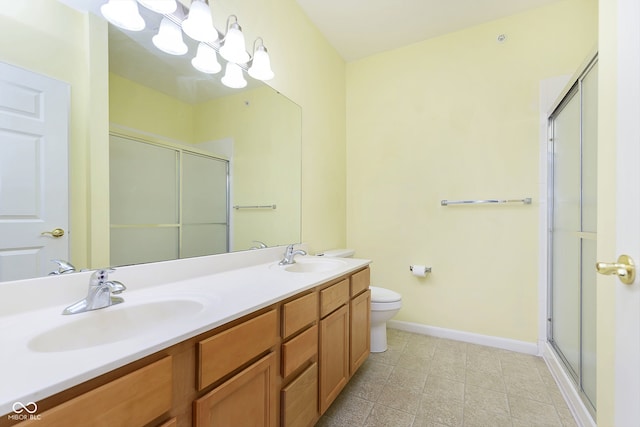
(338, 253)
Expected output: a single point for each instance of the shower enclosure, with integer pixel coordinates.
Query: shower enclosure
(572, 232)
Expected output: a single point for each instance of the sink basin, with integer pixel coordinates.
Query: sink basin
(112, 324)
(314, 265)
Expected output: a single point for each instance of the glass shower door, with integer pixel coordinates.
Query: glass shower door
(572, 333)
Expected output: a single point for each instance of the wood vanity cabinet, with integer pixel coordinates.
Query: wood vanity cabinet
(299, 361)
(282, 365)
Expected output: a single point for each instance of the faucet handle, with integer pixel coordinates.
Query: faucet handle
(100, 276)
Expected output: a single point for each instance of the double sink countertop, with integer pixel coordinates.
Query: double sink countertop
(45, 352)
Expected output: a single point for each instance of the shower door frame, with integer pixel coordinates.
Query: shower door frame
(574, 89)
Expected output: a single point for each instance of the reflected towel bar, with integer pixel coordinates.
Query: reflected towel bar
(526, 201)
(255, 207)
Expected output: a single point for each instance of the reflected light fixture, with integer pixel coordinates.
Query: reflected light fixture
(206, 60)
(199, 24)
(260, 68)
(233, 77)
(124, 14)
(233, 49)
(164, 7)
(169, 38)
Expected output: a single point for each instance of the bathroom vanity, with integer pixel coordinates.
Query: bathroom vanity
(247, 342)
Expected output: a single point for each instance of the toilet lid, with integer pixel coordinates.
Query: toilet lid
(384, 295)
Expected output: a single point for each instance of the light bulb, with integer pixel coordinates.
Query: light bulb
(206, 60)
(233, 77)
(164, 7)
(199, 25)
(169, 38)
(233, 49)
(123, 14)
(261, 65)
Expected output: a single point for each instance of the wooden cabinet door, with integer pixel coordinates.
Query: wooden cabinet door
(334, 355)
(247, 399)
(360, 334)
(300, 399)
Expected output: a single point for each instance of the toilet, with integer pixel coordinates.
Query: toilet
(385, 304)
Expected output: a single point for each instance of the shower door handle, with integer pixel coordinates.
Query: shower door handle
(625, 269)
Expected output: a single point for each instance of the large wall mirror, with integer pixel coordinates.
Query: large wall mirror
(199, 147)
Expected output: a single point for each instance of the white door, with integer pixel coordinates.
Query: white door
(34, 122)
(627, 217)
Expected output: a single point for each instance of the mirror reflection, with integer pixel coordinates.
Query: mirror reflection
(182, 150)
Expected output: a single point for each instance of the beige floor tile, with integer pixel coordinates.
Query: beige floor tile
(440, 387)
(488, 400)
(400, 398)
(383, 416)
(475, 417)
(448, 383)
(412, 380)
(489, 380)
(536, 413)
(440, 410)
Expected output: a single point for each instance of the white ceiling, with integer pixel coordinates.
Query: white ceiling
(359, 28)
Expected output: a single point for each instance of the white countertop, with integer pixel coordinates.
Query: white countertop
(214, 290)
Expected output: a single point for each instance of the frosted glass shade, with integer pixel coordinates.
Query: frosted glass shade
(164, 7)
(123, 14)
(233, 77)
(261, 65)
(169, 38)
(233, 49)
(199, 25)
(206, 60)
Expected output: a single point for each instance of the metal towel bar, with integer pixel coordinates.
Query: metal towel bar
(254, 206)
(526, 201)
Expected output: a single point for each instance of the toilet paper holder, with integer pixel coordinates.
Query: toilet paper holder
(426, 269)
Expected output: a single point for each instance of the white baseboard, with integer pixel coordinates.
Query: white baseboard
(490, 341)
(567, 388)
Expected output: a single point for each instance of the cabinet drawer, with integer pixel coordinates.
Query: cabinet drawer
(360, 281)
(132, 400)
(333, 297)
(298, 350)
(299, 313)
(247, 399)
(228, 350)
(300, 399)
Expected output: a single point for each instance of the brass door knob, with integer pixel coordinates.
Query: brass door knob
(56, 232)
(625, 269)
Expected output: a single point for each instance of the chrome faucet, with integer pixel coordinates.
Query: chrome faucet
(260, 245)
(100, 293)
(63, 267)
(289, 255)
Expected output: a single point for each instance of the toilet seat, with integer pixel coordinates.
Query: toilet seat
(384, 295)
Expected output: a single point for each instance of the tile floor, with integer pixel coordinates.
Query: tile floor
(423, 381)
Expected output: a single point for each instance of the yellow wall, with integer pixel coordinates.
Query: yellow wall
(456, 117)
(54, 40)
(266, 162)
(139, 107)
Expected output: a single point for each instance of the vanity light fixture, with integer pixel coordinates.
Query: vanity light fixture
(164, 7)
(206, 60)
(233, 77)
(233, 49)
(169, 38)
(260, 68)
(124, 14)
(199, 24)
